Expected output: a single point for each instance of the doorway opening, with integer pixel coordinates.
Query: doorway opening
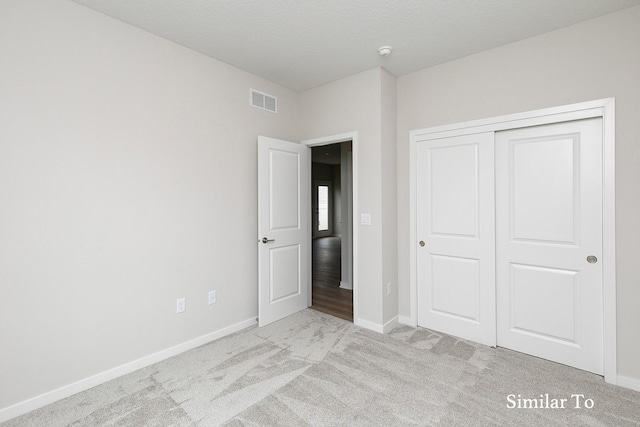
(332, 236)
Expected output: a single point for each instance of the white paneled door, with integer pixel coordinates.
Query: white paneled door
(549, 242)
(284, 234)
(456, 236)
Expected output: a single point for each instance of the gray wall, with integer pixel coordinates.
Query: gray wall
(356, 104)
(116, 152)
(592, 60)
(388, 184)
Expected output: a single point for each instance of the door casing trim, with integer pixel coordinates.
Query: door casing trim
(604, 108)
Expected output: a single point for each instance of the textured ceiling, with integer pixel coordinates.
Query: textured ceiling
(305, 43)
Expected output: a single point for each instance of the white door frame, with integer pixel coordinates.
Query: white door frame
(604, 108)
(335, 139)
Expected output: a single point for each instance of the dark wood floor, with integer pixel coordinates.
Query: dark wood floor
(327, 296)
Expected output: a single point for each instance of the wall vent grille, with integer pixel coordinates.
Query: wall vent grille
(263, 101)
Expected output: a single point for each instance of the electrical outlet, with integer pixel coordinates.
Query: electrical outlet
(181, 305)
(212, 297)
(389, 288)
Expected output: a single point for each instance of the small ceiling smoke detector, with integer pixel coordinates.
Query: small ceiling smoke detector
(385, 50)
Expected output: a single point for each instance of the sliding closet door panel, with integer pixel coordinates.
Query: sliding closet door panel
(549, 224)
(456, 236)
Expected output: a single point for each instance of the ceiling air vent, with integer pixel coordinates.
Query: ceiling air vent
(263, 101)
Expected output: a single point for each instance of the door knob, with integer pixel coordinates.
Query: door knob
(265, 240)
(592, 259)
(421, 243)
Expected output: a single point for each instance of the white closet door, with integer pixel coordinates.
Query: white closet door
(549, 242)
(456, 236)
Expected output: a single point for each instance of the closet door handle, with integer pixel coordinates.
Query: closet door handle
(265, 240)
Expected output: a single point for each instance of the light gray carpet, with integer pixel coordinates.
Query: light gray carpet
(312, 369)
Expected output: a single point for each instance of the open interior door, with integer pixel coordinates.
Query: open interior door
(284, 234)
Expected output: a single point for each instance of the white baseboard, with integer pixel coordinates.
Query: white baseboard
(626, 382)
(375, 327)
(92, 381)
(390, 325)
(405, 320)
(345, 285)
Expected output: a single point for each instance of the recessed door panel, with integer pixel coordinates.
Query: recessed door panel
(543, 302)
(285, 272)
(454, 190)
(544, 176)
(284, 190)
(455, 290)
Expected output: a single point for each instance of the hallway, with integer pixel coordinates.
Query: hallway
(327, 296)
